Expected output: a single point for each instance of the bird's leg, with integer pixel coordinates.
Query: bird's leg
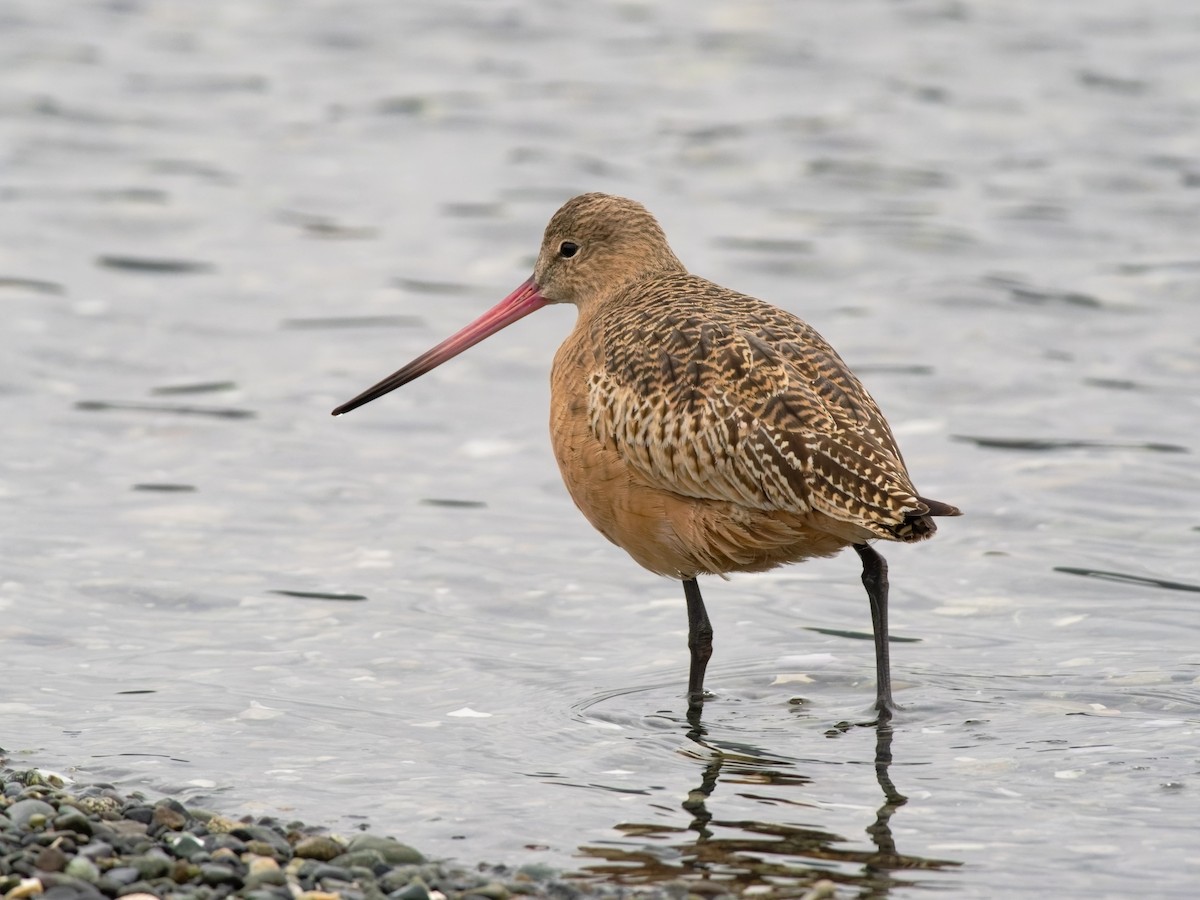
(700, 635)
(875, 580)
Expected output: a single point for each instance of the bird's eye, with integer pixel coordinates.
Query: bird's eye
(567, 249)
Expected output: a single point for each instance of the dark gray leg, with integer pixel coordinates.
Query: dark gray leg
(700, 635)
(875, 580)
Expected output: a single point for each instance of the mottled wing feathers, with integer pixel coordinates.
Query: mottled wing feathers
(715, 395)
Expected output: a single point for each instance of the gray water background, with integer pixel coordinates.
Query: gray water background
(218, 220)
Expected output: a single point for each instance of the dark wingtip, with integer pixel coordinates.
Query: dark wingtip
(938, 508)
(918, 526)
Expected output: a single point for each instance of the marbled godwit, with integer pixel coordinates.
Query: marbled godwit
(701, 430)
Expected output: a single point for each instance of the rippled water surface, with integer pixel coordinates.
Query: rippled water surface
(219, 220)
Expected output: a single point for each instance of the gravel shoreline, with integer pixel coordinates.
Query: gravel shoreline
(69, 842)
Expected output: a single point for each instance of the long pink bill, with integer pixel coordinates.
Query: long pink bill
(516, 305)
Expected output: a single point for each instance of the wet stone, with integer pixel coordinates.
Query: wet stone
(104, 807)
(266, 894)
(174, 805)
(51, 859)
(262, 848)
(169, 818)
(535, 871)
(218, 873)
(318, 846)
(26, 887)
(96, 850)
(402, 876)
(491, 891)
(153, 864)
(143, 814)
(137, 889)
(84, 869)
(367, 859)
(222, 841)
(63, 840)
(391, 851)
(122, 875)
(414, 890)
(325, 871)
(120, 829)
(334, 886)
(262, 834)
(67, 888)
(218, 824)
(263, 870)
(74, 820)
(185, 846)
(30, 813)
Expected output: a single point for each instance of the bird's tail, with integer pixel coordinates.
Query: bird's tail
(917, 526)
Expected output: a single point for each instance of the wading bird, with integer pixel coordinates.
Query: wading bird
(701, 430)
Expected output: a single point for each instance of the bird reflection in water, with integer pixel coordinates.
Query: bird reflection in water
(778, 860)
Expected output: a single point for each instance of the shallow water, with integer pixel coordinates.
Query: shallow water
(217, 221)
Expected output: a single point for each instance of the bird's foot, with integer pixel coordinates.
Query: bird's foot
(885, 710)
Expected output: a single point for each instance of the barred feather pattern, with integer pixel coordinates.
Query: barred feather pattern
(700, 429)
(716, 395)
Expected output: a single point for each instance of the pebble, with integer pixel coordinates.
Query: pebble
(51, 859)
(259, 836)
(101, 806)
(184, 846)
(122, 875)
(27, 887)
(218, 824)
(169, 818)
(30, 814)
(365, 859)
(94, 844)
(217, 873)
(74, 820)
(416, 889)
(263, 870)
(318, 846)
(151, 865)
(492, 891)
(392, 851)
